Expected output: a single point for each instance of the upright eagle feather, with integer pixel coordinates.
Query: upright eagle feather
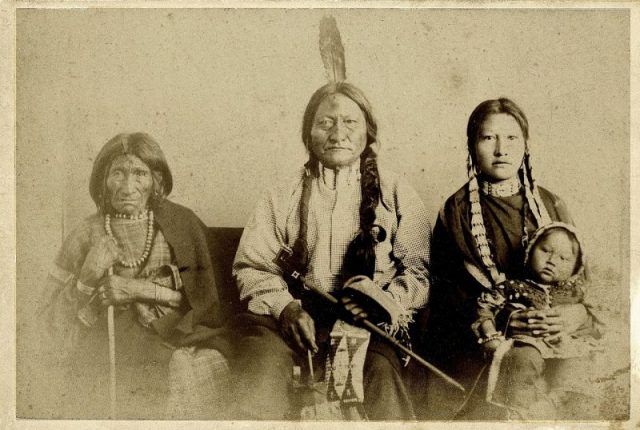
(331, 50)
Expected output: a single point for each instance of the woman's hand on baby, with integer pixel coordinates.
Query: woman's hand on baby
(548, 322)
(538, 323)
(102, 255)
(116, 290)
(298, 327)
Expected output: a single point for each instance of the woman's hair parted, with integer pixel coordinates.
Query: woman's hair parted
(360, 256)
(146, 149)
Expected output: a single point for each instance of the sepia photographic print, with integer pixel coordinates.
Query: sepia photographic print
(309, 214)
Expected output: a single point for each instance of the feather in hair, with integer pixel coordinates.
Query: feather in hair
(331, 50)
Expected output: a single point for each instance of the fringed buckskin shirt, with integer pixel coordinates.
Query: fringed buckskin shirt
(402, 259)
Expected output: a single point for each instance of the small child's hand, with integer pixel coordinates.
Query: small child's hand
(491, 346)
(491, 342)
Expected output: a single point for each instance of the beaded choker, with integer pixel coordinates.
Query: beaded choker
(149, 240)
(505, 188)
(141, 215)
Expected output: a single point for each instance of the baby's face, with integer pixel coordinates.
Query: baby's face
(553, 258)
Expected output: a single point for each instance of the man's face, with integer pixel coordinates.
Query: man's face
(339, 132)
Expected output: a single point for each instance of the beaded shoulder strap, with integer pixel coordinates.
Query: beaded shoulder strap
(479, 233)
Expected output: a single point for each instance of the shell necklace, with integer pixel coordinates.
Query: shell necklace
(147, 244)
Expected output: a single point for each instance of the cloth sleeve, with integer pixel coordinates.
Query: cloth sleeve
(65, 296)
(411, 250)
(257, 276)
(490, 302)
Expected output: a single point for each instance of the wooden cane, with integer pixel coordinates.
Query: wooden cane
(111, 325)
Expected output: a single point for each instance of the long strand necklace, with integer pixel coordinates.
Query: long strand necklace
(148, 241)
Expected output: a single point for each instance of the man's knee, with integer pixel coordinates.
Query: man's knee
(381, 365)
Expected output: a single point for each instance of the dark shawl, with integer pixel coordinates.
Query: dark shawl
(184, 232)
(202, 318)
(447, 338)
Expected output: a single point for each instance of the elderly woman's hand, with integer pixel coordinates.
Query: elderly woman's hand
(116, 290)
(544, 323)
(102, 255)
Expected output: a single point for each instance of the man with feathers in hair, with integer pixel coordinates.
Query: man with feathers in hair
(349, 228)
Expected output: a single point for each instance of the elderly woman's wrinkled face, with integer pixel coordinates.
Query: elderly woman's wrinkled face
(129, 184)
(339, 132)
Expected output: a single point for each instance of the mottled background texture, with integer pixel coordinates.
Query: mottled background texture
(223, 91)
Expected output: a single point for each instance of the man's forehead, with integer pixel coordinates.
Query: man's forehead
(335, 101)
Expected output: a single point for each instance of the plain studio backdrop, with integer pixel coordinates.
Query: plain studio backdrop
(223, 92)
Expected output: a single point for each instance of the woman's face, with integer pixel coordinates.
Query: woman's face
(339, 132)
(129, 184)
(499, 147)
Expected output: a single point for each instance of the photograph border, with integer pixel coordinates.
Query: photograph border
(8, 207)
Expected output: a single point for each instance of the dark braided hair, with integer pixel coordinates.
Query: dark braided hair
(360, 256)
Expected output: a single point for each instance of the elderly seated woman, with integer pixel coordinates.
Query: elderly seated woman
(147, 257)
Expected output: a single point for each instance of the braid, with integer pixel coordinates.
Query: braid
(542, 210)
(360, 258)
(471, 169)
(300, 249)
(526, 204)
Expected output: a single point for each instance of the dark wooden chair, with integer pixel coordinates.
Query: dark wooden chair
(223, 243)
